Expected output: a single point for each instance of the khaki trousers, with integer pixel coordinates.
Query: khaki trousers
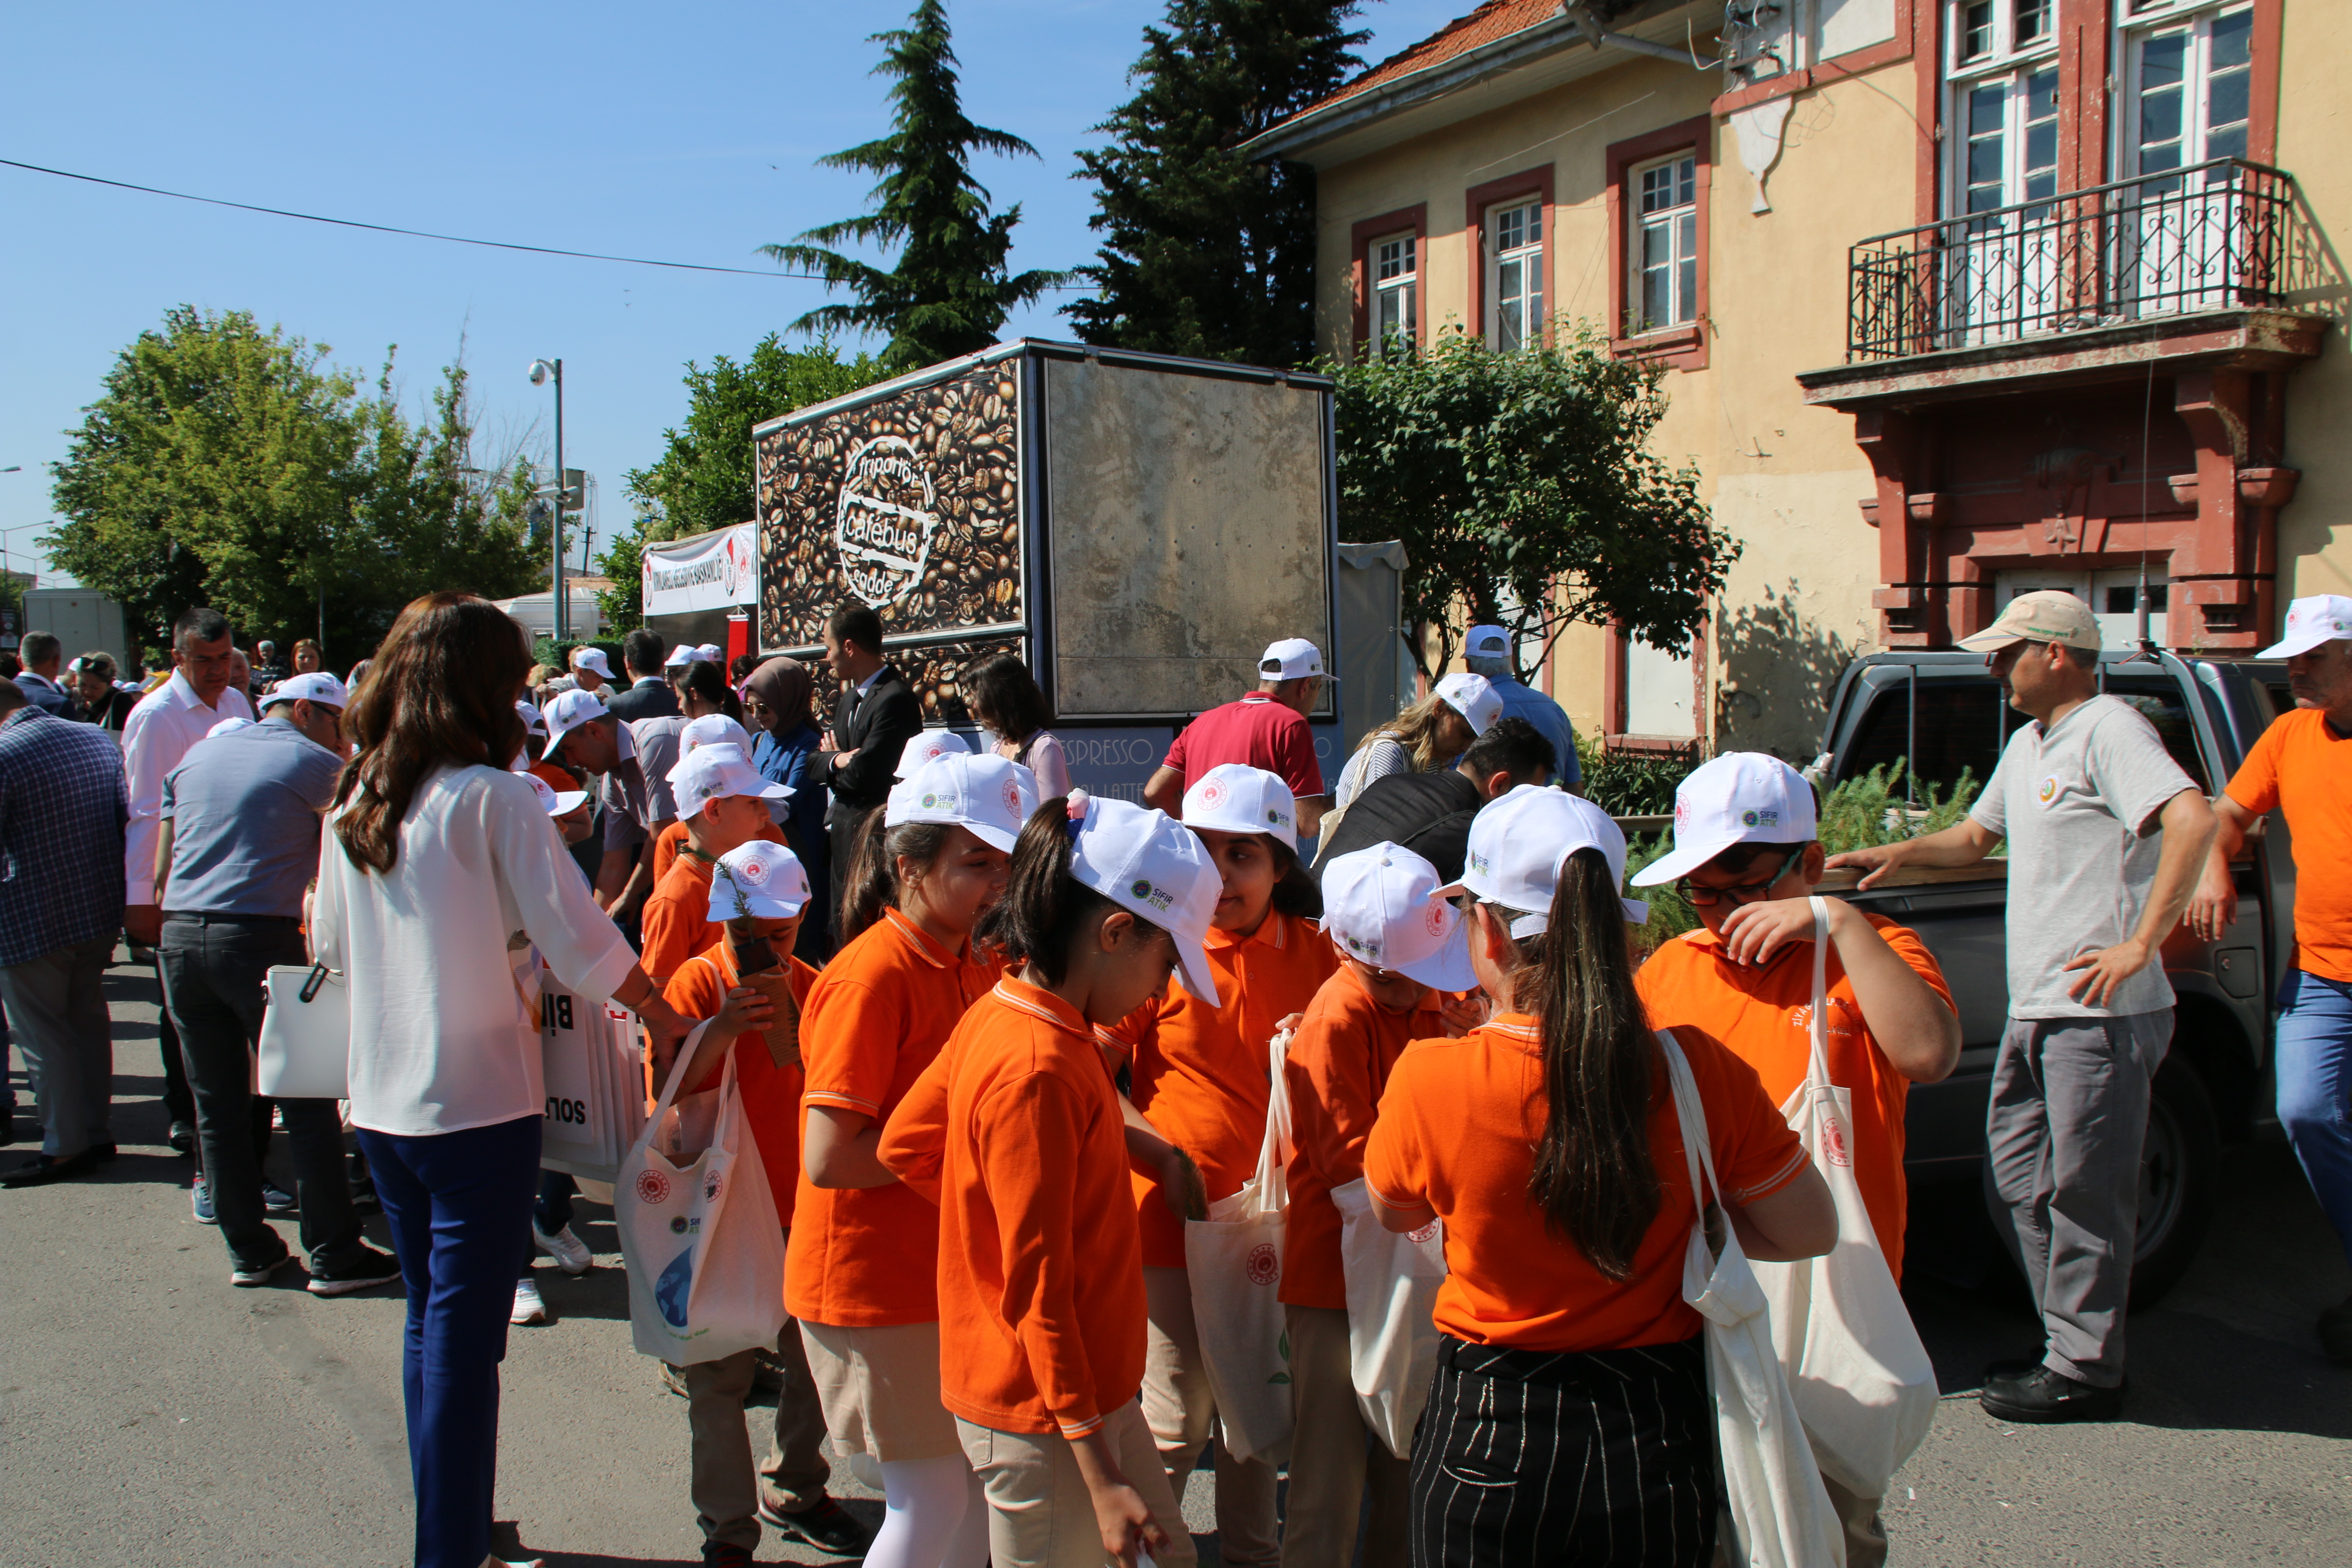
(1039, 1513)
(1177, 1407)
(726, 1489)
(1335, 1458)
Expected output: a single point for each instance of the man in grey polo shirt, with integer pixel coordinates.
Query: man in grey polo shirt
(2106, 839)
(239, 845)
(633, 760)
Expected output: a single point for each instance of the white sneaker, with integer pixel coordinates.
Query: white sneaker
(528, 1307)
(571, 1253)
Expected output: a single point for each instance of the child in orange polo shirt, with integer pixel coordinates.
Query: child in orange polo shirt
(711, 729)
(1018, 1129)
(722, 801)
(1401, 947)
(1745, 850)
(861, 1270)
(1200, 1076)
(759, 892)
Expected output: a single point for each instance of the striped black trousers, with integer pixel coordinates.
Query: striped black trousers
(1540, 1458)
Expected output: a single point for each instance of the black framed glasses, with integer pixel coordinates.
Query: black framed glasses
(1738, 893)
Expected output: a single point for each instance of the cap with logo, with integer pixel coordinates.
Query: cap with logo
(534, 722)
(709, 652)
(591, 659)
(1292, 659)
(316, 686)
(1149, 865)
(713, 729)
(1740, 797)
(758, 880)
(1475, 698)
(928, 746)
(2046, 615)
(1233, 797)
(715, 772)
(566, 712)
(1381, 906)
(2322, 617)
(989, 795)
(679, 657)
(555, 802)
(1518, 843)
(1487, 642)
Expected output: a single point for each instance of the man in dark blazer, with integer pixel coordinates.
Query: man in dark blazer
(875, 717)
(648, 695)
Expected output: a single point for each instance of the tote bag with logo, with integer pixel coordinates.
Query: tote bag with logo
(1233, 1260)
(1393, 1282)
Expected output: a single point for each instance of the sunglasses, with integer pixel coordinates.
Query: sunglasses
(1740, 893)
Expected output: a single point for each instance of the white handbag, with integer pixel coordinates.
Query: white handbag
(1393, 1284)
(1864, 1385)
(1781, 1513)
(305, 1034)
(1232, 1262)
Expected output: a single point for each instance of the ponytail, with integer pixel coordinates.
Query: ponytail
(873, 882)
(1044, 909)
(1594, 1178)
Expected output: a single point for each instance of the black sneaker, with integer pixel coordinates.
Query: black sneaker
(2045, 1397)
(240, 1274)
(182, 1138)
(726, 1554)
(826, 1525)
(363, 1270)
(277, 1200)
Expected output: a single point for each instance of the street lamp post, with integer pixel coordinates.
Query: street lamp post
(540, 370)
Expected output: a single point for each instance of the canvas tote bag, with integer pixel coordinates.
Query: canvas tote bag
(305, 1034)
(1393, 1282)
(1234, 1261)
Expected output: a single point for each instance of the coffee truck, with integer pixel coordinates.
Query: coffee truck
(1137, 528)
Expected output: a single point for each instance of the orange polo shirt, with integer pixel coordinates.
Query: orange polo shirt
(771, 1095)
(866, 1258)
(1457, 1131)
(1202, 1073)
(2302, 763)
(1764, 1016)
(671, 839)
(676, 919)
(1017, 1126)
(1338, 1063)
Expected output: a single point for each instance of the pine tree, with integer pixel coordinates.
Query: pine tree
(1206, 252)
(949, 292)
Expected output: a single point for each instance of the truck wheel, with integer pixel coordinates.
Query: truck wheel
(2177, 1167)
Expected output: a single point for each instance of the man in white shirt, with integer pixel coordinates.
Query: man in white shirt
(592, 670)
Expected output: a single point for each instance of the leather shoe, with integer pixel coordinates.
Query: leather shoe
(44, 1169)
(182, 1138)
(825, 1525)
(2045, 1397)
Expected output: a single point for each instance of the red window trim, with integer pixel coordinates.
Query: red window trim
(1684, 346)
(1414, 218)
(1837, 68)
(1475, 203)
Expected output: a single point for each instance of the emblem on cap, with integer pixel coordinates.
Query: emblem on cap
(1013, 796)
(1213, 794)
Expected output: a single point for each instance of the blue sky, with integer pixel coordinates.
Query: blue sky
(685, 132)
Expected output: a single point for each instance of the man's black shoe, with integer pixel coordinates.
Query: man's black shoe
(45, 1170)
(364, 1270)
(2335, 1331)
(726, 1554)
(2045, 1397)
(105, 1153)
(2011, 1371)
(182, 1138)
(827, 1527)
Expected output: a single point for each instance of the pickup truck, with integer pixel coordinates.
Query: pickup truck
(1945, 712)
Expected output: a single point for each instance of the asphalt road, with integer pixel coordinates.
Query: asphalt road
(149, 1414)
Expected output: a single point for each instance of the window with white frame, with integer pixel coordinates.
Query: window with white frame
(1664, 241)
(1515, 276)
(2188, 85)
(1396, 294)
(2001, 68)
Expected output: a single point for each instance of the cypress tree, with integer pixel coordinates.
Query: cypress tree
(1205, 252)
(949, 291)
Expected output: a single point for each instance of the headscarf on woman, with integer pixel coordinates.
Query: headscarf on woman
(782, 686)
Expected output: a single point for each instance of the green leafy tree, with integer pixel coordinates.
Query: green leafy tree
(950, 290)
(1525, 492)
(1206, 252)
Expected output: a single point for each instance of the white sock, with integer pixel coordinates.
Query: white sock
(926, 1504)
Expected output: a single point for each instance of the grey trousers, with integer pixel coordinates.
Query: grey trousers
(2068, 1114)
(57, 1006)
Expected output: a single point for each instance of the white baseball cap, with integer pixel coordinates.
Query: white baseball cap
(989, 795)
(1475, 698)
(228, 727)
(1380, 905)
(317, 687)
(555, 802)
(532, 720)
(926, 746)
(1740, 797)
(709, 652)
(1233, 797)
(1292, 659)
(1149, 865)
(591, 659)
(714, 772)
(567, 711)
(1487, 642)
(679, 657)
(759, 880)
(1519, 842)
(713, 729)
(2322, 617)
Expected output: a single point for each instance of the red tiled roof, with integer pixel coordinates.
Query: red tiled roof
(1495, 19)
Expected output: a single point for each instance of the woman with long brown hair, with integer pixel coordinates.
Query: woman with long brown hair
(440, 870)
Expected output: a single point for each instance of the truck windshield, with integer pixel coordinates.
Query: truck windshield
(1960, 728)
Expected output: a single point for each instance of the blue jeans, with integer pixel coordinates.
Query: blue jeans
(459, 1204)
(2315, 1089)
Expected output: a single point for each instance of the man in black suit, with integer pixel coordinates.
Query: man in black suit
(648, 695)
(875, 717)
(1430, 812)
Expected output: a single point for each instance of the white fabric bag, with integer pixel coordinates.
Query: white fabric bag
(1863, 1381)
(594, 1083)
(1781, 1513)
(305, 1034)
(1234, 1261)
(1393, 1282)
(698, 1229)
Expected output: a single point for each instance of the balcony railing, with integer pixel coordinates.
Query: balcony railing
(2227, 235)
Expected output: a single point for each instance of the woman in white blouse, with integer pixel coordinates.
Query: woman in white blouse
(438, 861)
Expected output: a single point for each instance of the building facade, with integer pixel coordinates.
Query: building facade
(1958, 298)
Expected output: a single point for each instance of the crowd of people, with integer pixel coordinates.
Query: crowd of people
(1000, 1043)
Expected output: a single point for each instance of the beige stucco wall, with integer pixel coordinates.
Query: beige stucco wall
(2315, 134)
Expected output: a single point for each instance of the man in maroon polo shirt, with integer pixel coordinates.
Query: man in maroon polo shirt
(1267, 729)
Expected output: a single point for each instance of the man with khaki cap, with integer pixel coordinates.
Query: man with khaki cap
(2081, 794)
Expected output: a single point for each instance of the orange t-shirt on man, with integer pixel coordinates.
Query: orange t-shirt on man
(2300, 762)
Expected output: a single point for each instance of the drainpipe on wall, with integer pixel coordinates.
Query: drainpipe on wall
(1600, 37)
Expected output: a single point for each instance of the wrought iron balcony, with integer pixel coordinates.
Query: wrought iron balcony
(2225, 235)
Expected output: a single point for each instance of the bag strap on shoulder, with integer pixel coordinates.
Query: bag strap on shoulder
(1820, 1068)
